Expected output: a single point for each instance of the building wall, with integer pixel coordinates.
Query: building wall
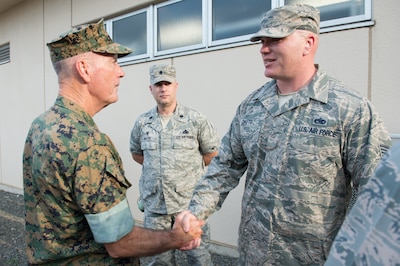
(22, 85)
(211, 82)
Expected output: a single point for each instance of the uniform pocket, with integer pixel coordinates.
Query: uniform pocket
(182, 142)
(149, 145)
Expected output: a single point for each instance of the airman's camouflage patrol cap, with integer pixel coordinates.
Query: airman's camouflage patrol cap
(283, 21)
(83, 39)
(160, 73)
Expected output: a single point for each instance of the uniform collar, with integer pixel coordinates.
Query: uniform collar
(317, 89)
(74, 107)
(180, 114)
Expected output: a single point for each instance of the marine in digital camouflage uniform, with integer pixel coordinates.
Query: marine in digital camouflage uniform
(370, 234)
(66, 159)
(301, 155)
(72, 172)
(172, 164)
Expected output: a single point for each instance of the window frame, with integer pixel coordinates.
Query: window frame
(207, 44)
(339, 22)
(236, 39)
(204, 27)
(149, 13)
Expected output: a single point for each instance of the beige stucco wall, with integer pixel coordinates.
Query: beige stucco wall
(22, 94)
(384, 60)
(213, 83)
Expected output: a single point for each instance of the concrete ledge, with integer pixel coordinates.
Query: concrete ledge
(223, 249)
(11, 189)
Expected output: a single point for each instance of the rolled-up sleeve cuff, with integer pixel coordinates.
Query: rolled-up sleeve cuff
(112, 225)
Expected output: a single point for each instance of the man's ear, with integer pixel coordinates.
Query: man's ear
(310, 44)
(83, 69)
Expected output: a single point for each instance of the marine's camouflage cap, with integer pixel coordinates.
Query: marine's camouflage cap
(283, 21)
(85, 38)
(160, 73)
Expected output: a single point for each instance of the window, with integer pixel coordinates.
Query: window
(4, 53)
(241, 18)
(132, 30)
(336, 12)
(178, 25)
(189, 26)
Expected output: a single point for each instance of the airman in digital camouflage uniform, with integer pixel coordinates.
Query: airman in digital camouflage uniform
(173, 143)
(370, 234)
(304, 139)
(74, 183)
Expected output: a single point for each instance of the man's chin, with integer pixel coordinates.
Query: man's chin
(111, 101)
(268, 74)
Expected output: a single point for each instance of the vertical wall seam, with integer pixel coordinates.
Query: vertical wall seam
(370, 59)
(44, 47)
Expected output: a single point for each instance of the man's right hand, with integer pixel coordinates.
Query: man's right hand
(146, 242)
(188, 228)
